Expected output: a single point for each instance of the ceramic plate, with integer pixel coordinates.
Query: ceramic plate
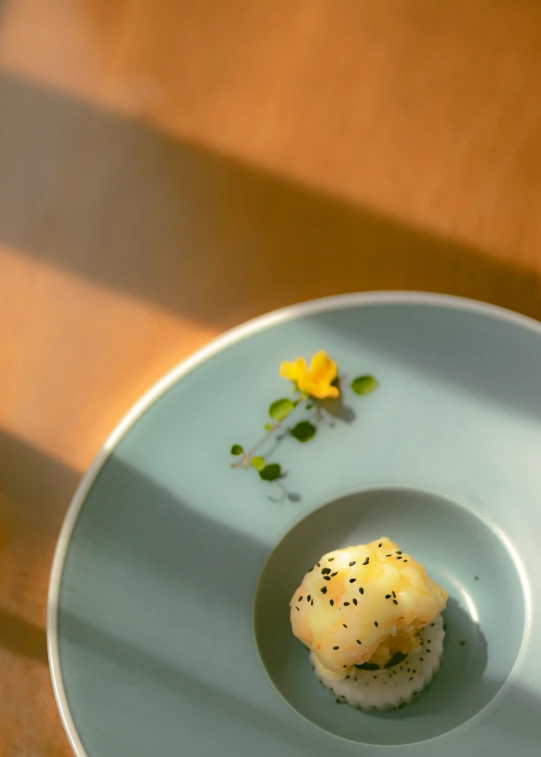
(168, 623)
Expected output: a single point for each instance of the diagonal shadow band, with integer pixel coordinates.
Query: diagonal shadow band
(22, 638)
(145, 665)
(514, 726)
(49, 480)
(37, 486)
(34, 494)
(134, 521)
(176, 225)
(492, 360)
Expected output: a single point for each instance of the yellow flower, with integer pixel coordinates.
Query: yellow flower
(315, 380)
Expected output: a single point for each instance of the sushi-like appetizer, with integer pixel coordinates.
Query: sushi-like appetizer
(371, 618)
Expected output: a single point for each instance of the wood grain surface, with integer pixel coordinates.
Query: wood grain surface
(169, 168)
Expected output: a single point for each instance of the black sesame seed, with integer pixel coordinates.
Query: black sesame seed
(398, 558)
(387, 596)
(344, 625)
(336, 647)
(376, 624)
(332, 602)
(375, 678)
(324, 571)
(354, 601)
(405, 560)
(388, 555)
(346, 604)
(361, 590)
(312, 603)
(299, 599)
(408, 670)
(428, 650)
(352, 580)
(334, 574)
(326, 578)
(359, 642)
(324, 590)
(366, 561)
(308, 598)
(422, 659)
(393, 593)
(380, 544)
(411, 678)
(318, 565)
(429, 642)
(395, 602)
(352, 563)
(297, 608)
(331, 559)
(398, 552)
(311, 569)
(414, 671)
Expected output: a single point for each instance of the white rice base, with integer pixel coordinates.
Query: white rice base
(394, 687)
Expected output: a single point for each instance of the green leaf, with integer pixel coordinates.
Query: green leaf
(236, 449)
(258, 463)
(364, 384)
(303, 431)
(270, 472)
(280, 409)
(268, 426)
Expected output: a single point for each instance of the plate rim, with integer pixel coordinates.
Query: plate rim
(185, 366)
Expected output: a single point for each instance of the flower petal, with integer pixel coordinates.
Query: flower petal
(322, 390)
(322, 368)
(333, 391)
(306, 386)
(294, 371)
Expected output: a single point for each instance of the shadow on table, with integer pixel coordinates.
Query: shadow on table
(170, 223)
(23, 638)
(166, 221)
(35, 491)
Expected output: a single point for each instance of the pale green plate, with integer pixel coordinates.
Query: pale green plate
(163, 640)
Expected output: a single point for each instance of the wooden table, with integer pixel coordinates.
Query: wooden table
(169, 168)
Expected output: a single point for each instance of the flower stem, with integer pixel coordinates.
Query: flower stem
(244, 461)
